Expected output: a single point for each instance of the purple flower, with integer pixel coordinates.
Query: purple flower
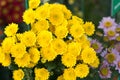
(118, 28)
(117, 46)
(96, 45)
(110, 56)
(107, 22)
(117, 64)
(104, 53)
(104, 71)
(111, 33)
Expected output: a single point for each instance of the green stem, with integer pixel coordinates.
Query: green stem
(26, 4)
(26, 7)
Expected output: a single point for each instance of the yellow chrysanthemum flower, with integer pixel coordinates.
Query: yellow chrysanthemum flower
(2, 55)
(77, 20)
(56, 16)
(88, 55)
(96, 63)
(44, 38)
(60, 77)
(18, 74)
(18, 50)
(40, 25)
(74, 48)
(34, 54)
(31, 65)
(7, 43)
(19, 36)
(82, 39)
(7, 60)
(76, 30)
(42, 12)
(69, 74)
(39, 72)
(65, 23)
(85, 43)
(67, 13)
(68, 60)
(29, 16)
(24, 61)
(59, 46)
(11, 29)
(28, 38)
(89, 28)
(48, 53)
(61, 31)
(34, 3)
(82, 70)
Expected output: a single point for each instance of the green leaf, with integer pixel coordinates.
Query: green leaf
(50, 65)
(23, 27)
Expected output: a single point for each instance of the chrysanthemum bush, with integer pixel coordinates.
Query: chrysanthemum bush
(56, 47)
(107, 45)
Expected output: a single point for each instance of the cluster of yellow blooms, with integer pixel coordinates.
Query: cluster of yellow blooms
(50, 24)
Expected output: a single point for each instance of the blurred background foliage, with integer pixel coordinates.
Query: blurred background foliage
(89, 10)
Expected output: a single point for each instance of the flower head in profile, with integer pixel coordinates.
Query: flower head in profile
(104, 71)
(107, 22)
(18, 74)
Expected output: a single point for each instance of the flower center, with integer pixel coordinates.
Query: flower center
(95, 46)
(104, 71)
(111, 33)
(110, 57)
(107, 24)
(118, 38)
(117, 29)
